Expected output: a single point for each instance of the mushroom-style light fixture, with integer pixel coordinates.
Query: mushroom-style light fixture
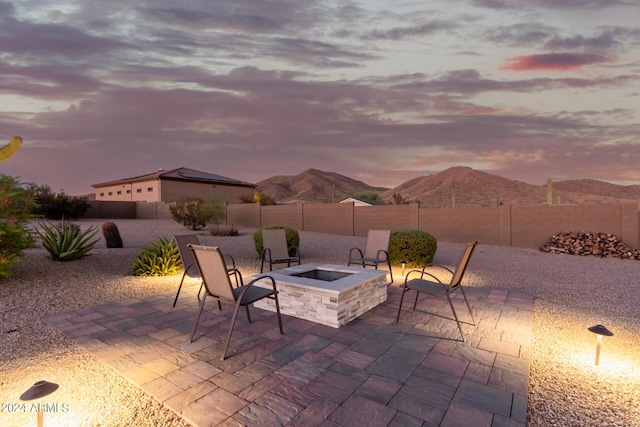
(601, 331)
(38, 390)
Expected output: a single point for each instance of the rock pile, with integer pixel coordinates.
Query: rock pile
(604, 245)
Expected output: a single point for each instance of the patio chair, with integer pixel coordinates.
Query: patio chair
(376, 251)
(438, 288)
(276, 250)
(189, 263)
(217, 283)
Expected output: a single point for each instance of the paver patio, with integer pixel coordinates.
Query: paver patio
(370, 372)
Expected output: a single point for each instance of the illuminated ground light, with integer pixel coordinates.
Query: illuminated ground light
(37, 391)
(600, 331)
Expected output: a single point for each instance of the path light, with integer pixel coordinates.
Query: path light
(39, 390)
(601, 331)
(403, 263)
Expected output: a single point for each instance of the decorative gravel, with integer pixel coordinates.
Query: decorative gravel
(565, 388)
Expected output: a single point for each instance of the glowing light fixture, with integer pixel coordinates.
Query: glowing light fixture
(403, 263)
(39, 390)
(601, 331)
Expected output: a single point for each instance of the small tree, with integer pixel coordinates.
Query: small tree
(57, 205)
(16, 205)
(195, 213)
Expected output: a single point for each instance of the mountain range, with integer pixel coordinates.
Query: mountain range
(467, 186)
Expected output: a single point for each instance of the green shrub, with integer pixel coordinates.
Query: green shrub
(160, 258)
(195, 213)
(16, 206)
(65, 242)
(415, 247)
(293, 239)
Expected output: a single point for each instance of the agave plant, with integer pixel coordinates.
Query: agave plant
(160, 258)
(65, 242)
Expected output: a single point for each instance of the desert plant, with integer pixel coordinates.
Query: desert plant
(65, 242)
(293, 239)
(16, 206)
(195, 213)
(160, 258)
(417, 248)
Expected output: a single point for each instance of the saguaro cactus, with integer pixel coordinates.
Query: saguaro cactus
(111, 235)
(549, 193)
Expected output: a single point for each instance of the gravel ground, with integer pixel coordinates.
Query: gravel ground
(565, 388)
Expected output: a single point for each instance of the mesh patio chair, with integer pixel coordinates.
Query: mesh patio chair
(438, 288)
(189, 263)
(276, 250)
(376, 251)
(217, 284)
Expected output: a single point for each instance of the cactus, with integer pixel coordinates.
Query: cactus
(111, 235)
(549, 193)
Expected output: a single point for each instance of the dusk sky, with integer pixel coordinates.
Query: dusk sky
(380, 91)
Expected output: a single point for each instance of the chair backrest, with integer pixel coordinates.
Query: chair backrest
(376, 240)
(185, 253)
(213, 270)
(276, 241)
(458, 274)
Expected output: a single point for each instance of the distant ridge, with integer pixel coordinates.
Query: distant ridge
(472, 188)
(314, 185)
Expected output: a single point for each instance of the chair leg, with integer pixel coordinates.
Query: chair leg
(404, 289)
(415, 303)
(456, 317)
(468, 306)
(248, 314)
(390, 272)
(233, 322)
(180, 287)
(198, 318)
(275, 297)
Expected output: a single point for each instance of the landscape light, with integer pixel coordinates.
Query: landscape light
(601, 331)
(39, 390)
(403, 263)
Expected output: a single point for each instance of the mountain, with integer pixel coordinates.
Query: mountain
(471, 188)
(314, 185)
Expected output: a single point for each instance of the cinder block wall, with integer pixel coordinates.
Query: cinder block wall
(286, 216)
(521, 226)
(332, 218)
(462, 224)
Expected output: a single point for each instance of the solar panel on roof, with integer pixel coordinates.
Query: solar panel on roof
(202, 175)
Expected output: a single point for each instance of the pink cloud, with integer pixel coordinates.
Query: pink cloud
(553, 61)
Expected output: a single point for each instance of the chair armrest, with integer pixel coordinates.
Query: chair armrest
(385, 253)
(359, 252)
(233, 262)
(264, 276)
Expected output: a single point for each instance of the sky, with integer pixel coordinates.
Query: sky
(379, 91)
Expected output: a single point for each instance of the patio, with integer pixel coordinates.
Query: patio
(368, 372)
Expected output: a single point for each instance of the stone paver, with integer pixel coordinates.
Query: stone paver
(371, 371)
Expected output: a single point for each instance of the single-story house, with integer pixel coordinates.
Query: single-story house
(362, 202)
(172, 185)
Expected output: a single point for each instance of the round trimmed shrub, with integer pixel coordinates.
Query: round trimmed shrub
(415, 247)
(293, 239)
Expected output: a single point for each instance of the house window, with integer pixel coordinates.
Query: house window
(111, 193)
(128, 191)
(139, 190)
(119, 192)
(149, 189)
(102, 194)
